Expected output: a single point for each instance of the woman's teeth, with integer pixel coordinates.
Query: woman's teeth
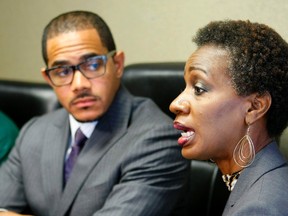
(187, 134)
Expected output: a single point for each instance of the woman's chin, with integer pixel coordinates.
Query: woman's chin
(188, 154)
(193, 154)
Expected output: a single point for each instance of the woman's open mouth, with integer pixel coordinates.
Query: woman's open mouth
(186, 135)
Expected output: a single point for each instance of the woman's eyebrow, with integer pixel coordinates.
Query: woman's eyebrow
(197, 68)
(192, 68)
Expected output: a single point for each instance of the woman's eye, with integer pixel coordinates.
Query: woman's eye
(199, 90)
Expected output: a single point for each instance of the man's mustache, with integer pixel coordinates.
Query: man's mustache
(84, 95)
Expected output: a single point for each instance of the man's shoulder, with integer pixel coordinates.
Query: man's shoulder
(146, 108)
(49, 118)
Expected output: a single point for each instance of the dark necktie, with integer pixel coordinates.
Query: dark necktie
(80, 140)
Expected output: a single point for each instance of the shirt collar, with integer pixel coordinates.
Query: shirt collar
(86, 127)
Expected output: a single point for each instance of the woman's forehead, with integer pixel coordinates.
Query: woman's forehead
(207, 58)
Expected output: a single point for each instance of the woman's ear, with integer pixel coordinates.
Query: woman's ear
(259, 105)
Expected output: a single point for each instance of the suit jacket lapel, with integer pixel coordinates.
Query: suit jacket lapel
(109, 129)
(54, 149)
(264, 162)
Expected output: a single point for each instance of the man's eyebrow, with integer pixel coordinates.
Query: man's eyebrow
(65, 62)
(59, 63)
(88, 55)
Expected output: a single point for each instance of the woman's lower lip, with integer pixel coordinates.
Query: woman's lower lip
(183, 140)
(186, 137)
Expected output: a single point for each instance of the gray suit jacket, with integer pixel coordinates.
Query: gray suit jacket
(131, 165)
(262, 187)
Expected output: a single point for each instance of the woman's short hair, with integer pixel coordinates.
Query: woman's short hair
(258, 58)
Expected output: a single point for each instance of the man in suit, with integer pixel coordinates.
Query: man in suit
(129, 161)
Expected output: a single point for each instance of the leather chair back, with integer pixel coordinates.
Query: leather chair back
(162, 82)
(24, 100)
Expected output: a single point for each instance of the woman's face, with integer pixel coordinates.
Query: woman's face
(209, 113)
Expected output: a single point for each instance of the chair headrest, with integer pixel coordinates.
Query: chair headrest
(23, 100)
(162, 82)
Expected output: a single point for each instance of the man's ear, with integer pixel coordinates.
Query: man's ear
(119, 59)
(259, 105)
(46, 78)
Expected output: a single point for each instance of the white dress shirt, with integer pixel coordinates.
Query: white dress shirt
(86, 127)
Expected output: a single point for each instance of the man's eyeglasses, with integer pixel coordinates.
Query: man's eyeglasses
(91, 68)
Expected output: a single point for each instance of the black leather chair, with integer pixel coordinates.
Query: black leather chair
(24, 100)
(161, 82)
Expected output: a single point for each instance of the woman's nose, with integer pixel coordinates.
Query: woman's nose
(180, 105)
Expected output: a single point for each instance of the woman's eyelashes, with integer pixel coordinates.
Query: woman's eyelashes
(199, 89)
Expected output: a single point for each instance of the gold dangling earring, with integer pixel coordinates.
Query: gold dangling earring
(244, 152)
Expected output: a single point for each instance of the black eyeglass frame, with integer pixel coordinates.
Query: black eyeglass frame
(104, 58)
